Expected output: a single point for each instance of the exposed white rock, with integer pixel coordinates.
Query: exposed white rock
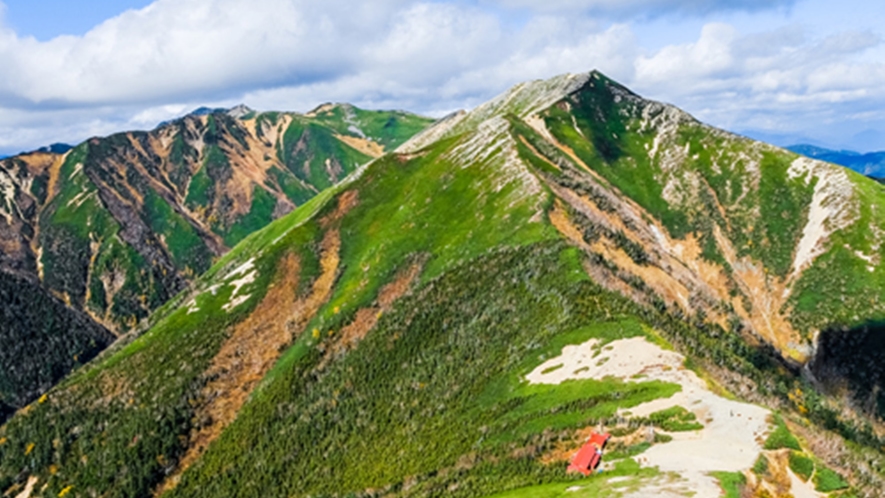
(235, 298)
(239, 111)
(29, 487)
(523, 100)
(7, 189)
(430, 135)
(832, 208)
(248, 265)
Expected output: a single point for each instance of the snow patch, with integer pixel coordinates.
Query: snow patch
(248, 265)
(79, 199)
(192, 306)
(831, 208)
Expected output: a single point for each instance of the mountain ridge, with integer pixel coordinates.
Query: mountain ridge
(403, 312)
(118, 225)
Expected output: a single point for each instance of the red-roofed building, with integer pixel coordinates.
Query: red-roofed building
(589, 456)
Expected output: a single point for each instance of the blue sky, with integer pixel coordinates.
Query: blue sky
(783, 70)
(46, 19)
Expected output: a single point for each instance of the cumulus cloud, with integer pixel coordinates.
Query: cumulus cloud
(646, 8)
(149, 65)
(774, 80)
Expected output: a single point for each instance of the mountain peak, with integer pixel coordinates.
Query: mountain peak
(240, 111)
(523, 100)
(328, 107)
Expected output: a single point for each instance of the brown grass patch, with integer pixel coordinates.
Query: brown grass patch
(768, 294)
(254, 347)
(367, 147)
(663, 283)
(346, 201)
(366, 318)
(775, 483)
(560, 220)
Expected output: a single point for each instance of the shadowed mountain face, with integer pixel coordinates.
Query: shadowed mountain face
(116, 226)
(41, 340)
(849, 363)
(377, 340)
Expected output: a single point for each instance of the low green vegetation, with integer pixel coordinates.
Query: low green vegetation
(259, 215)
(760, 468)
(187, 249)
(623, 477)
(781, 437)
(827, 481)
(436, 389)
(732, 483)
(676, 419)
(801, 465)
(388, 128)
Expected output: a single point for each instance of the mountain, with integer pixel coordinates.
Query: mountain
(56, 148)
(116, 226)
(871, 164)
(456, 317)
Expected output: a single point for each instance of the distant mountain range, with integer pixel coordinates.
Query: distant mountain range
(871, 164)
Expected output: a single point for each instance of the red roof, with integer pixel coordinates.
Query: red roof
(590, 455)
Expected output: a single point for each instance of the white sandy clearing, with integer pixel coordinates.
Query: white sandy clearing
(802, 489)
(728, 441)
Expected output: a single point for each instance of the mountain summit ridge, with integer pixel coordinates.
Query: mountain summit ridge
(401, 333)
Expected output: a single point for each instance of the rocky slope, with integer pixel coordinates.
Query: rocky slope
(118, 225)
(454, 319)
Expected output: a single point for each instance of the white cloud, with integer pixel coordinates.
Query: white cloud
(645, 8)
(149, 65)
(782, 81)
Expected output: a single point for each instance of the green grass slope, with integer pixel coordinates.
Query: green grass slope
(118, 225)
(374, 341)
